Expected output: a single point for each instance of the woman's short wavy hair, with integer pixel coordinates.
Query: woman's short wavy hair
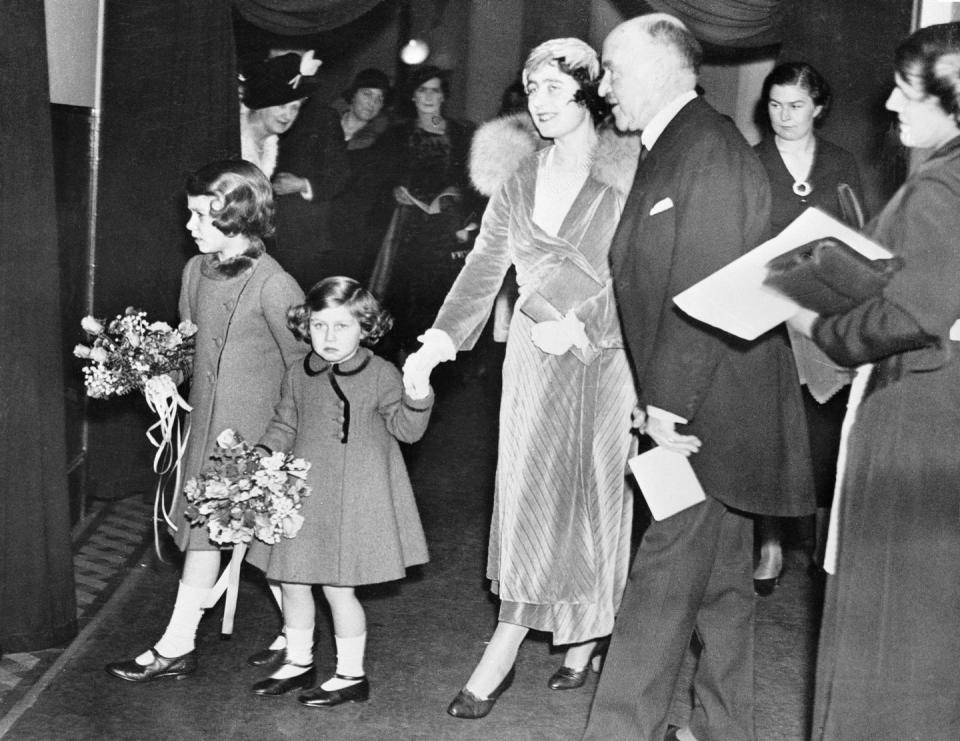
(575, 58)
(336, 291)
(931, 56)
(804, 76)
(242, 198)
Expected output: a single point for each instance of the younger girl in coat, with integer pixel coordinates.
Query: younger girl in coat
(342, 408)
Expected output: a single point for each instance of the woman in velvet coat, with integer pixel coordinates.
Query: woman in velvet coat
(559, 535)
(889, 640)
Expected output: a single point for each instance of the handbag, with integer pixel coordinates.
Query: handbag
(566, 287)
(828, 276)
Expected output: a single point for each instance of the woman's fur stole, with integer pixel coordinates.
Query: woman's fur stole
(501, 144)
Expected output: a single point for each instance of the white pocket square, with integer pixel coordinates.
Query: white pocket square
(660, 206)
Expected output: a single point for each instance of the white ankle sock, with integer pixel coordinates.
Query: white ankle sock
(350, 653)
(179, 637)
(299, 645)
(299, 653)
(279, 642)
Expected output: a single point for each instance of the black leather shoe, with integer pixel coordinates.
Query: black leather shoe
(468, 706)
(267, 656)
(765, 587)
(271, 687)
(178, 667)
(321, 698)
(566, 678)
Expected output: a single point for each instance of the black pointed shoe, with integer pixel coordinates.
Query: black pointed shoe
(177, 667)
(267, 656)
(468, 706)
(270, 687)
(321, 698)
(566, 678)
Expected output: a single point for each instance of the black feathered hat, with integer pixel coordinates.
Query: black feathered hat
(278, 80)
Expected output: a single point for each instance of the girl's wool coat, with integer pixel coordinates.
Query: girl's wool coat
(243, 347)
(361, 524)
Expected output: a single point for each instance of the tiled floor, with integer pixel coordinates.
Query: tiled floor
(113, 535)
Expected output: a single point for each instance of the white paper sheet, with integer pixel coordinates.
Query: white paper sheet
(734, 298)
(667, 481)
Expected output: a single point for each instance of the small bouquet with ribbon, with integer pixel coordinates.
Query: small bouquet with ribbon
(130, 353)
(244, 494)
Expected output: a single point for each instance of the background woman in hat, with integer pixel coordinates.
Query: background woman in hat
(307, 163)
(359, 216)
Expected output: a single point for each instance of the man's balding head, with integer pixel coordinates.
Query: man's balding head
(648, 61)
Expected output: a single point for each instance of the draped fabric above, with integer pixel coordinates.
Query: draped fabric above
(737, 23)
(298, 17)
(37, 607)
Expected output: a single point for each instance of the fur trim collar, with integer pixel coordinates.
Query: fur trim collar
(212, 267)
(501, 144)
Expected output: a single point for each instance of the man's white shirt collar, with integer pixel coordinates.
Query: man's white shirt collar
(649, 136)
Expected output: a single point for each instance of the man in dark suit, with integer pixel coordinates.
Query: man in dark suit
(700, 199)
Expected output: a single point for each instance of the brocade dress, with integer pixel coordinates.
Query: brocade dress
(428, 253)
(560, 531)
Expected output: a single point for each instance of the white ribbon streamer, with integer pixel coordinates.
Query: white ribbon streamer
(229, 584)
(165, 401)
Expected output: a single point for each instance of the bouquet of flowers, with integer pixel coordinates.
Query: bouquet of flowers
(128, 351)
(243, 494)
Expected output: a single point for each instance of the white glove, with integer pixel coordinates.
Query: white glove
(436, 347)
(556, 337)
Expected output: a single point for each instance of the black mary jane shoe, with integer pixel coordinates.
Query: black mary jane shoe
(271, 687)
(468, 706)
(566, 678)
(177, 667)
(321, 698)
(267, 656)
(765, 587)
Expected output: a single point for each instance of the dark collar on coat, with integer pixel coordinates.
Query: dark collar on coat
(314, 365)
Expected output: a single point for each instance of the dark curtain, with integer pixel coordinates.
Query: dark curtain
(723, 23)
(37, 608)
(170, 105)
(298, 17)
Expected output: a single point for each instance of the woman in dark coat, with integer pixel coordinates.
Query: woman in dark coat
(435, 204)
(887, 664)
(806, 170)
(359, 215)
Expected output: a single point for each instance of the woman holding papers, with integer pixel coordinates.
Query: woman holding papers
(435, 206)
(560, 531)
(889, 642)
(806, 170)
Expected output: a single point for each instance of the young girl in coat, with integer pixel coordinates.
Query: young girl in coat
(238, 296)
(344, 409)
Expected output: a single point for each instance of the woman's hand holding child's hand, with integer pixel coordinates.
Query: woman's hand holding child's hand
(436, 347)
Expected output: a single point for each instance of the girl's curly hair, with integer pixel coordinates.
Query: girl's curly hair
(335, 291)
(242, 198)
